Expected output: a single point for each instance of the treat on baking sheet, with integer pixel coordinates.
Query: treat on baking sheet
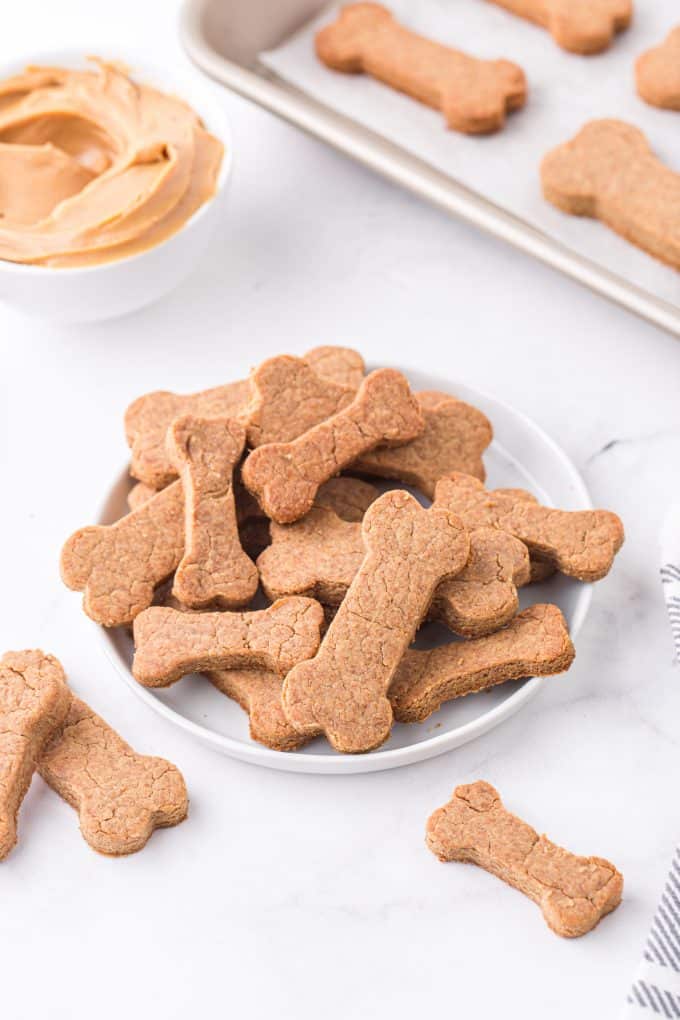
(657, 73)
(473, 95)
(609, 172)
(580, 26)
(573, 892)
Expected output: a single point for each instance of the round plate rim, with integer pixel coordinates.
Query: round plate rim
(374, 761)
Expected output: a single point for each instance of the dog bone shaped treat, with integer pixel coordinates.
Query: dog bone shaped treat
(539, 570)
(579, 543)
(285, 477)
(120, 796)
(118, 565)
(169, 643)
(139, 494)
(535, 643)
(609, 172)
(573, 892)
(473, 95)
(349, 498)
(342, 692)
(657, 73)
(258, 692)
(148, 418)
(34, 700)
(455, 436)
(320, 555)
(580, 26)
(214, 568)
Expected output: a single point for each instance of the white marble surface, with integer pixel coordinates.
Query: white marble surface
(282, 894)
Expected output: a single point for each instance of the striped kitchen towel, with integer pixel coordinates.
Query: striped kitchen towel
(656, 987)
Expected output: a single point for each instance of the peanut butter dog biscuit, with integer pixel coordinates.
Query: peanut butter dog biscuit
(343, 690)
(214, 568)
(117, 566)
(120, 796)
(169, 644)
(148, 418)
(539, 570)
(288, 398)
(573, 892)
(258, 692)
(580, 26)
(341, 365)
(34, 700)
(285, 477)
(454, 439)
(579, 543)
(609, 172)
(349, 498)
(319, 557)
(139, 494)
(535, 643)
(657, 73)
(474, 95)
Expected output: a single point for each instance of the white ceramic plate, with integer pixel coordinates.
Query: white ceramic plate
(522, 455)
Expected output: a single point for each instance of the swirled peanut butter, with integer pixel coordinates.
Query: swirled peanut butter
(94, 167)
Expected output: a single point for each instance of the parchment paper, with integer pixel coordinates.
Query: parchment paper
(565, 91)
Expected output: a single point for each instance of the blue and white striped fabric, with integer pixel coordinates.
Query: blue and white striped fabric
(656, 988)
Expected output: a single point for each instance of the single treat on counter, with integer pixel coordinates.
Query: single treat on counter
(96, 166)
(580, 26)
(319, 557)
(120, 796)
(258, 692)
(609, 172)
(118, 566)
(147, 418)
(214, 569)
(573, 892)
(285, 477)
(34, 700)
(535, 643)
(171, 643)
(657, 73)
(579, 543)
(473, 95)
(455, 436)
(342, 692)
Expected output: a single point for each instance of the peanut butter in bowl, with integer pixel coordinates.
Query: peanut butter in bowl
(95, 167)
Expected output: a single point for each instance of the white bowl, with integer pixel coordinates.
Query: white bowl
(521, 455)
(105, 291)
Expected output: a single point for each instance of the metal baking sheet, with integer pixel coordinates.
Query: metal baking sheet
(225, 38)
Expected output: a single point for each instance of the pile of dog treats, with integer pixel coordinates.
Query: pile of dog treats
(244, 487)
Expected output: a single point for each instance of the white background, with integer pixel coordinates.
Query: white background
(294, 896)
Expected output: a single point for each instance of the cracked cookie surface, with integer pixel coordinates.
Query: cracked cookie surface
(573, 892)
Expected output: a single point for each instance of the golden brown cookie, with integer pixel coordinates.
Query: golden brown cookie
(169, 643)
(349, 498)
(147, 418)
(34, 700)
(657, 73)
(579, 543)
(473, 95)
(258, 692)
(580, 26)
(609, 172)
(285, 477)
(120, 796)
(214, 569)
(455, 436)
(574, 893)
(535, 643)
(139, 494)
(342, 692)
(118, 566)
(319, 557)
